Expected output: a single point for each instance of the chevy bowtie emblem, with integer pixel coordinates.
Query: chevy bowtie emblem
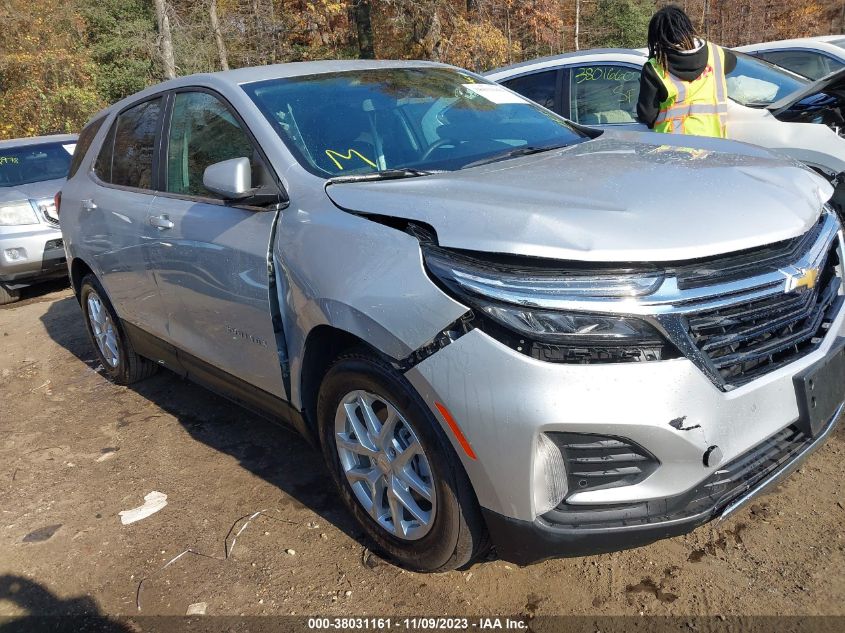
(799, 279)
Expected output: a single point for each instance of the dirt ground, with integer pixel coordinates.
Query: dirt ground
(75, 450)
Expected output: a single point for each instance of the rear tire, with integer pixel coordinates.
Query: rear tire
(108, 337)
(7, 295)
(431, 484)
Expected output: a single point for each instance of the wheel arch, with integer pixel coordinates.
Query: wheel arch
(323, 345)
(78, 269)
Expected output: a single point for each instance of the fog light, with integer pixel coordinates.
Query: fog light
(15, 254)
(549, 475)
(597, 462)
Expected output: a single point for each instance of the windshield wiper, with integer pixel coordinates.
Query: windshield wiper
(384, 174)
(525, 150)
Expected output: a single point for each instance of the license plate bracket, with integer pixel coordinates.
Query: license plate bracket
(820, 390)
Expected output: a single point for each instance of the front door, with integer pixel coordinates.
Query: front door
(605, 95)
(211, 263)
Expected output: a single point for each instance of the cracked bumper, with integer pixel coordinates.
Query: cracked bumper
(558, 533)
(503, 400)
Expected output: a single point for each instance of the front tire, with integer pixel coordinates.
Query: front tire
(395, 469)
(7, 295)
(108, 337)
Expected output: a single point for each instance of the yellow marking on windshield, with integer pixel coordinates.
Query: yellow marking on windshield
(333, 155)
(6, 160)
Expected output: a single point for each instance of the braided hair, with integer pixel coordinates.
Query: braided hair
(670, 29)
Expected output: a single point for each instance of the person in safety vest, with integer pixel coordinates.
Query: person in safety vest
(683, 89)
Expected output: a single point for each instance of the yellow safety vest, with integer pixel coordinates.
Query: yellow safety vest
(697, 107)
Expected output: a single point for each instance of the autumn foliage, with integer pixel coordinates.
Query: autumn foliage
(60, 61)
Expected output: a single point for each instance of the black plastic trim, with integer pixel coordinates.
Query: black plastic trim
(267, 405)
(527, 542)
(448, 335)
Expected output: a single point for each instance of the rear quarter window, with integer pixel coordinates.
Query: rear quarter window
(127, 157)
(86, 137)
(539, 87)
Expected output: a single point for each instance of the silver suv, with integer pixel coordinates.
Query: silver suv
(31, 172)
(500, 327)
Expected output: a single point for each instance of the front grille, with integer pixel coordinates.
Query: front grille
(710, 497)
(747, 340)
(747, 263)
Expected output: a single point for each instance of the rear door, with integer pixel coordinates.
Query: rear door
(114, 215)
(603, 95)
(211, 261)
(809, 63)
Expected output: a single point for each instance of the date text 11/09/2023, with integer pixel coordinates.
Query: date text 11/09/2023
(418, 623)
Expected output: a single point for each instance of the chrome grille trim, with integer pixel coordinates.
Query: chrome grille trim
(672, 310)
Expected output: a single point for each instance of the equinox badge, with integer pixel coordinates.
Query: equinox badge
(798, 279)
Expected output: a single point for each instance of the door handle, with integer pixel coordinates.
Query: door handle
(161, 222)
(88, 205)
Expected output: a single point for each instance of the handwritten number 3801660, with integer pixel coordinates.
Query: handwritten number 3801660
(605, 73)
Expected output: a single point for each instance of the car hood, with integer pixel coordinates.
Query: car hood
(625, 197)
(833, 85)
(31, 191)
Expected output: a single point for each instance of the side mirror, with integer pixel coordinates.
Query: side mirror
(231, 179)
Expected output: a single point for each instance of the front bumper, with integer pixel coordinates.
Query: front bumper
(31, 253)
(503, 400)
(719, 496)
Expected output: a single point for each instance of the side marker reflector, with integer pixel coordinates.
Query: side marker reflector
(456, 430)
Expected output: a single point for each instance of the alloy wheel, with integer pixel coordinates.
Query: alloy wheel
(385, 465)
(103, 329)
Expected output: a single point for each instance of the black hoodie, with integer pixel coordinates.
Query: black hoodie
(686, 66)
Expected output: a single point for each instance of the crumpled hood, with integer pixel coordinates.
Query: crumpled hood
(833, 84)
(624, 197)
(31, 191)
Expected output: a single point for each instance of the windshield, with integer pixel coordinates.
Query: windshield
(840, 42)
(757, 83)
(34, 163)
(358, 122)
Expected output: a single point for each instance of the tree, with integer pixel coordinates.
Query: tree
(165, 39)
(364, 27)
(619, 23)
(218, 36)
(119, 36)
(46, 78)
(577, 25)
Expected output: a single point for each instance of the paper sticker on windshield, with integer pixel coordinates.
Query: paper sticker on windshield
(495, 94)
(70, 148)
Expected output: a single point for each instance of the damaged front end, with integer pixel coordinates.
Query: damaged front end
(644, 399)
(822, 101)
(737, 317)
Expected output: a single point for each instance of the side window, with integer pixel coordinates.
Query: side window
(604, 94)
(202, 132)
(86, 137)
(127, 155)
(808, 63)
(539, 87)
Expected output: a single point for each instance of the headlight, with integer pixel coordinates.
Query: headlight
(17, 213)
(552, 326)
(530, 308)
(47, 206)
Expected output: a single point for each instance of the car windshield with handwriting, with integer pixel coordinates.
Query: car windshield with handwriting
(401, 118)
(34, 163)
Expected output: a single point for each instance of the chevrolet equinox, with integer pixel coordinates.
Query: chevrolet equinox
(499, 326)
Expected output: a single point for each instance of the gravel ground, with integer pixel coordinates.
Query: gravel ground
(76, 450)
